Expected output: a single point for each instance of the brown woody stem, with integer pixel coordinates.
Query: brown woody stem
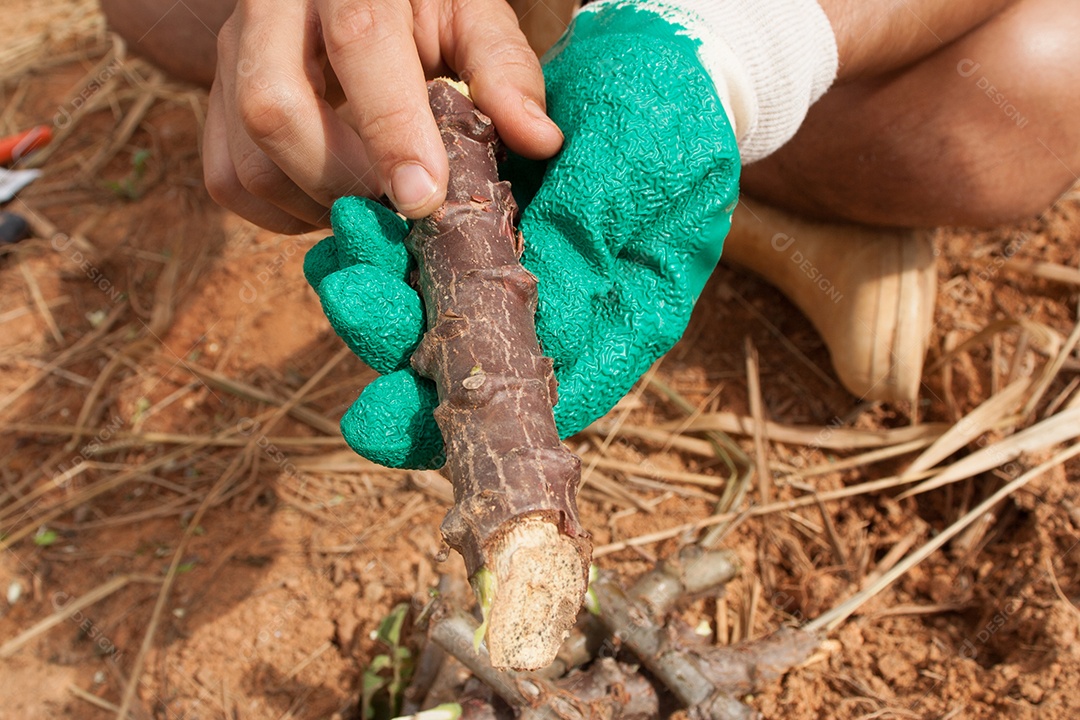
(607, 690)
(704, 678)
(515, 484)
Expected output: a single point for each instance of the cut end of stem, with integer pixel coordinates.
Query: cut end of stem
(540, 581)
(457, 85)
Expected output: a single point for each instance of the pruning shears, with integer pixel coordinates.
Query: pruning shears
(15, 147)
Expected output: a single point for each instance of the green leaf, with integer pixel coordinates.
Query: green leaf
(388, 674)
(45, 537)
(378, 663)
(389, 631)
(138, 160)
(372, 684)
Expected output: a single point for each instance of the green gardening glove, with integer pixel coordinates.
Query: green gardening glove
(622, 229)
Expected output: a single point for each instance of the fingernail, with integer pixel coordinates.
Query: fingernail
(534, 109)
(411, 186)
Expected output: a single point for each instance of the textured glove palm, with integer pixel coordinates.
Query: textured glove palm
(622, 229)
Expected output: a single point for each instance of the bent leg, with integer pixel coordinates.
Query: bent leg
(178, 37)
(982, 132)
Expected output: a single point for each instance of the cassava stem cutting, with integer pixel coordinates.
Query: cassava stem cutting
(515, 517)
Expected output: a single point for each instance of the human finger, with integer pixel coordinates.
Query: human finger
(370, 45)
(490, 53)
(278, 103)
(224, 185)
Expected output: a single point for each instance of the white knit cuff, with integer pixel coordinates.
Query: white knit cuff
(770, 60)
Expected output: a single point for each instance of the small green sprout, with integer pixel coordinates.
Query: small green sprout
(446, 711)
(45, 537)
(129, 187)
(386, 678)
(483, 585)
(592, 602)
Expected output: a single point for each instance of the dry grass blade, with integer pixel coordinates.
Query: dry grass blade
(613, 432)
(84, 495)
(34, 53)
(739, 465)
(895, 554)
(115, 362)
(97, 82)
(1063, 398)
(650, 470)
(14, 104)
(819, 437)
(1074, 402)
(97, 594)
(41, 305)
(23, 499)
(615, 492)
(434, 485)
(934, 609)
(784, 340)
(1046, 270)
(667, 488)
(223, 382)
(20, 55)
(830, 620)
(92, 699)
(834, 537)
(1051, 371)
(757, 411)
(345, 461)
(125, 439)
(60, 360)
(857, 461)
(1061, 428)
(971, 426)
(757, 511)
(19, 312)
(663, 438)
(1058, 591)
(1046, 339)
(724, 447)
(127, 128)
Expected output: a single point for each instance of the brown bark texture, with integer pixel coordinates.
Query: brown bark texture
(496, 389)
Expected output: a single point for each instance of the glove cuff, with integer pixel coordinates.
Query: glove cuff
(770, 60)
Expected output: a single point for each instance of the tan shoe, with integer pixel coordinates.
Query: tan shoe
(870, 292)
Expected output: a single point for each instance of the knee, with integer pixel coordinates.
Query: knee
(1020, 147)
(177, 37)
(132, 19)
(1034, 44)
(120, 18)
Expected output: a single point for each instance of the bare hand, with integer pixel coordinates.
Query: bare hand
(278, 153)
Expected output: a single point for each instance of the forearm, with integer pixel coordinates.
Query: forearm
(876, 36)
